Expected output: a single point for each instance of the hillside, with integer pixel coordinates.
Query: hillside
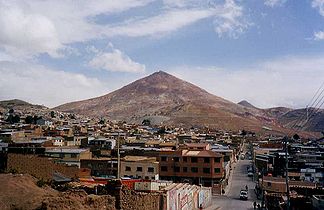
(163, 98)
(17, 104)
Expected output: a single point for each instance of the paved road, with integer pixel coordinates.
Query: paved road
(231, 199)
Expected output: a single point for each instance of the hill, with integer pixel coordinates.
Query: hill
(246, 104)
(163, 98)
(17, 104)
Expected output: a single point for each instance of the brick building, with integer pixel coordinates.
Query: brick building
(198, 167)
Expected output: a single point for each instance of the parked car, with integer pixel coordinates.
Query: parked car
(244, 195)
(250, 174)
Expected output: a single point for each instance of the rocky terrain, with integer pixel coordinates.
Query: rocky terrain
(163, 98)
(20, 191)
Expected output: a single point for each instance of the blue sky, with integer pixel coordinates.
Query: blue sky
(269, 52)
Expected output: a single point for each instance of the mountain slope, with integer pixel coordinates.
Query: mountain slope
(162, 97)
(247, 104)
(17, 104)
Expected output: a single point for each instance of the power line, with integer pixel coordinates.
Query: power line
(310, 105)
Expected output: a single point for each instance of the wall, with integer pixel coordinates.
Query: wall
(132, 200)
(140, 174)
(39, 167)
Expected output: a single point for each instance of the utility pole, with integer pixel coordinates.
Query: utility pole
(118, 158)
(287, 178)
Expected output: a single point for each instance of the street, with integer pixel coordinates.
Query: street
(231, 199)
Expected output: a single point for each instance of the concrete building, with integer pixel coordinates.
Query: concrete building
(68, 156)
(199, 167)
(101, 167)
(140, 167)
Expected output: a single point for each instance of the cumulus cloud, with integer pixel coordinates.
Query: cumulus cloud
(274, 3)
(29, 28)
(32, 27)
(115, 61)
(41, 85)
(290, 81)
(319, 35)
(319, 4)
(230, 20)
(24, 33)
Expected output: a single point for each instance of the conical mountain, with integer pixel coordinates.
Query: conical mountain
(163, 98)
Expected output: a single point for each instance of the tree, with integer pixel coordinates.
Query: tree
(29, 119)
(52, 114)
(146, 122)
(296, 136)
(13, 119)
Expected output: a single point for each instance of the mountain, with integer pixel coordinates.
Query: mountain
(307, 120)
(17, 104)
(163, 98)
(246, 104)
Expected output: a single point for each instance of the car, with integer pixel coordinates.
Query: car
(243, 195)
(250, 174)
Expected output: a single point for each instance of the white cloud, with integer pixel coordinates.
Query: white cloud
(274, 3)
(230, 20)
(319, 4)
(290, 81)
(32, 27)
(169, 21)
(115, 61)
(38, 84)
(23, 33)
(319, 35)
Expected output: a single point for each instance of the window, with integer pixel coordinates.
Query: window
(194, 169)
(217, 170)
(184, 159)
(128, 168)
(139, 169)
(217, 160)
(206, 170)
(73, 155)
(176, 159)
(226, 158)
(163, 158)
(194, 160)
(150, 169)
(185, 169)
(147, 177)
(115, 165)
(164, 168)
(176, 169)
(206, 160)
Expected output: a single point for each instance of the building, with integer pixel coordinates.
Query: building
(102, 143)
(199, 167)
(68, 156)
(101, 167)
(140, 167)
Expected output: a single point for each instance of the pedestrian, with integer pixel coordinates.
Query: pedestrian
(246, 187)
(254, 205)
(258, 206)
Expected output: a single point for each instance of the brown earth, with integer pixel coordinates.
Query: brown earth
(21, 192)
(163, 98)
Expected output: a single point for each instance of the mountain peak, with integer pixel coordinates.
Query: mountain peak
(247, 104)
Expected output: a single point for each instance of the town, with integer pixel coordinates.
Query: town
(159, 167)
